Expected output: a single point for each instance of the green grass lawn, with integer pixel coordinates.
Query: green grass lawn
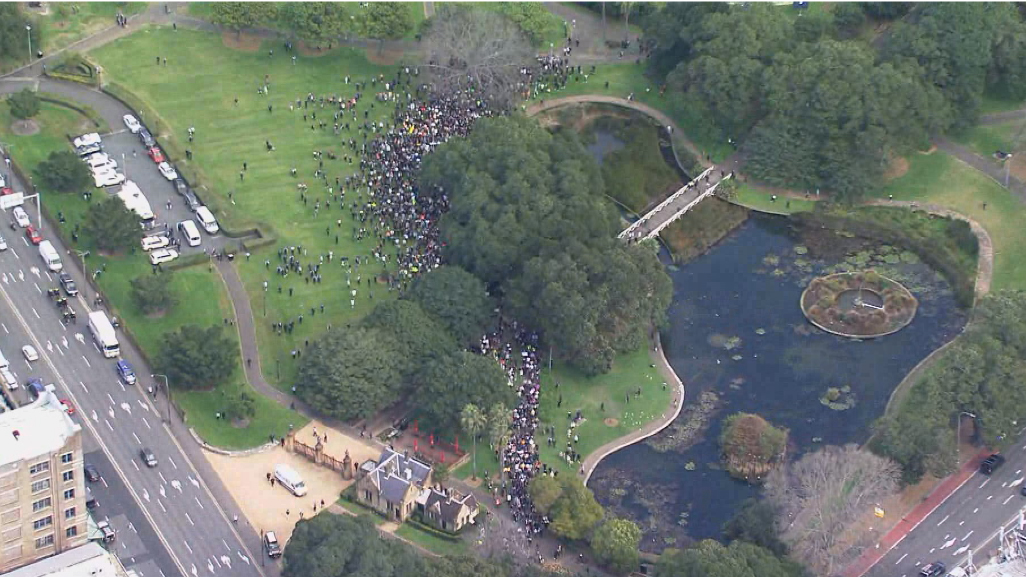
(760, 200)
(227, 136)
(431, 542)
(55, 121)
(985, 139)
(70, 22)
(940, 179)
(590, 394)
(997, 103)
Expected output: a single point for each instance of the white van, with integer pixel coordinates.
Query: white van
(206, 220)
(290, 479)
(8, 378)
(192, 235)
(50, 256)
(4, 363)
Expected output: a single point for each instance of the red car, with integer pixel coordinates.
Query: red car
(155, 154)
(4, 191)
(33, 235)
(67, 407)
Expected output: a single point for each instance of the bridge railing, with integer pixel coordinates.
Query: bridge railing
(708, 192)
(638, 223)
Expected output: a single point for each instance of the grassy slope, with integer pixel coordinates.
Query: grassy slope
(986, 139)
(228, 136)
(589, 394)
(940, 179)
(29, 151)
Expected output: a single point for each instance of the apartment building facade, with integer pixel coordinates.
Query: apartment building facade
(42, 485)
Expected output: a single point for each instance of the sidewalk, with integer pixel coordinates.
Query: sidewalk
(912, 520)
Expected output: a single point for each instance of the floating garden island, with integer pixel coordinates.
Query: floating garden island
(858, 304)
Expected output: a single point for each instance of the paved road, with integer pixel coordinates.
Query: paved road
(969, 518)
(182, 499)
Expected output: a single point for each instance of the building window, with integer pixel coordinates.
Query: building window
(42, 523)
(40, 467)
(44, 541)
(69, 494)
(68, 476)
(40, 505)
(67, 458)
(40, 485)
(69, 513)
(71, 531)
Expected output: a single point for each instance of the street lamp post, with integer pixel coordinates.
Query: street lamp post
(28, 32)
(85, 271)
(1008, 166)
(167, 388)
(958, 431)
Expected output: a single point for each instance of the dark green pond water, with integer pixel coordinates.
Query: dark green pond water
(739, 342)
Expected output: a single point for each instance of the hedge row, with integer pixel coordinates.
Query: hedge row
(82, 109)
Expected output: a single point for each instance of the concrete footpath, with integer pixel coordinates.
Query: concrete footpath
(912, 520)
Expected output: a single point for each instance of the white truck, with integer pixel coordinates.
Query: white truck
(50, 256)
(135, 201)
(103, 334)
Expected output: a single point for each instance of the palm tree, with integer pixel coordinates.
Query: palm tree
(498, 429)
(473, 421)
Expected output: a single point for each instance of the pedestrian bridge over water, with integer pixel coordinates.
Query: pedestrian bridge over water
(676, 205)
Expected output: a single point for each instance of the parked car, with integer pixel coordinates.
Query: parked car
(155, 153)
(166, 171)
(105, 179)
(35, 387)
(68, 284)
(191, 201)
(3, 244)
(30, 353)
(271, 545)
(108, 533)
(148, 457)
(152, 242)
(935, 569)
(125, 372)
(180, 186)
(67, 406)
(21, 217)
(5, 190)
(33, 235)
(132, 124)
(162, 255)
(9, 379)
(100, 162)
(91, 502)
(92, 474)
(991, 464)
(146, 138)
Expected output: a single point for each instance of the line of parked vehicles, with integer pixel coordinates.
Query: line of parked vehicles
(104, 169)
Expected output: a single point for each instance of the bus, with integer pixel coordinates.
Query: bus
(103, 334)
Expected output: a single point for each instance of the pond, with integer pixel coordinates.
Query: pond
(739, 341)
(604, 142)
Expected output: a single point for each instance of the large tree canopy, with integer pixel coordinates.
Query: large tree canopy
(197, 358)
(458, 299)
(711, 559)
(416, 337)
(446, 384)
(528, 216)
(350, 374)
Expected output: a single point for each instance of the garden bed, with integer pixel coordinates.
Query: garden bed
(858, 305)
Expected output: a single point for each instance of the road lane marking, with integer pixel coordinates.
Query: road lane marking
(146, 423)
(984, 484)
(87, 361)
(110, 398)
(943, 520)
(161, 505)
(123, 389)
(83, 386)
(900, 559)
(136, 465)
(189, 518)
(37, 285)
(162, 479)
(1010, 497)
(198, 503)
(226, 545)
(108, 425)
(172, 462)
(136, 437)
(976, 510)
(989, 497)
(967, 535)
(104, 481)
(5, 328)
(34, 312)
(187, 546)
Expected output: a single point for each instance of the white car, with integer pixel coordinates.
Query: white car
(132, 124)
(98, 161)
(86, 140)
(103, 169)
(163, 255)
(3, 243)
(153, 242)
(108, 179)
(30, 353)
(168, 172)
(21, 217)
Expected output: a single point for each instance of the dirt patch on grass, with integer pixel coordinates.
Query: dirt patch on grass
(930, 150)
(314, 50)
(26, 127)
(244, 42)
(384, 57)
(611, 422)
(897, 169)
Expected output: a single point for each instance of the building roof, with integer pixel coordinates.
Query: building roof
(395, 473)
(89, 559)
(36, 429)
(448, 506)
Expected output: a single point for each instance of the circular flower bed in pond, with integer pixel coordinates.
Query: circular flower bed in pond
(858, 304)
